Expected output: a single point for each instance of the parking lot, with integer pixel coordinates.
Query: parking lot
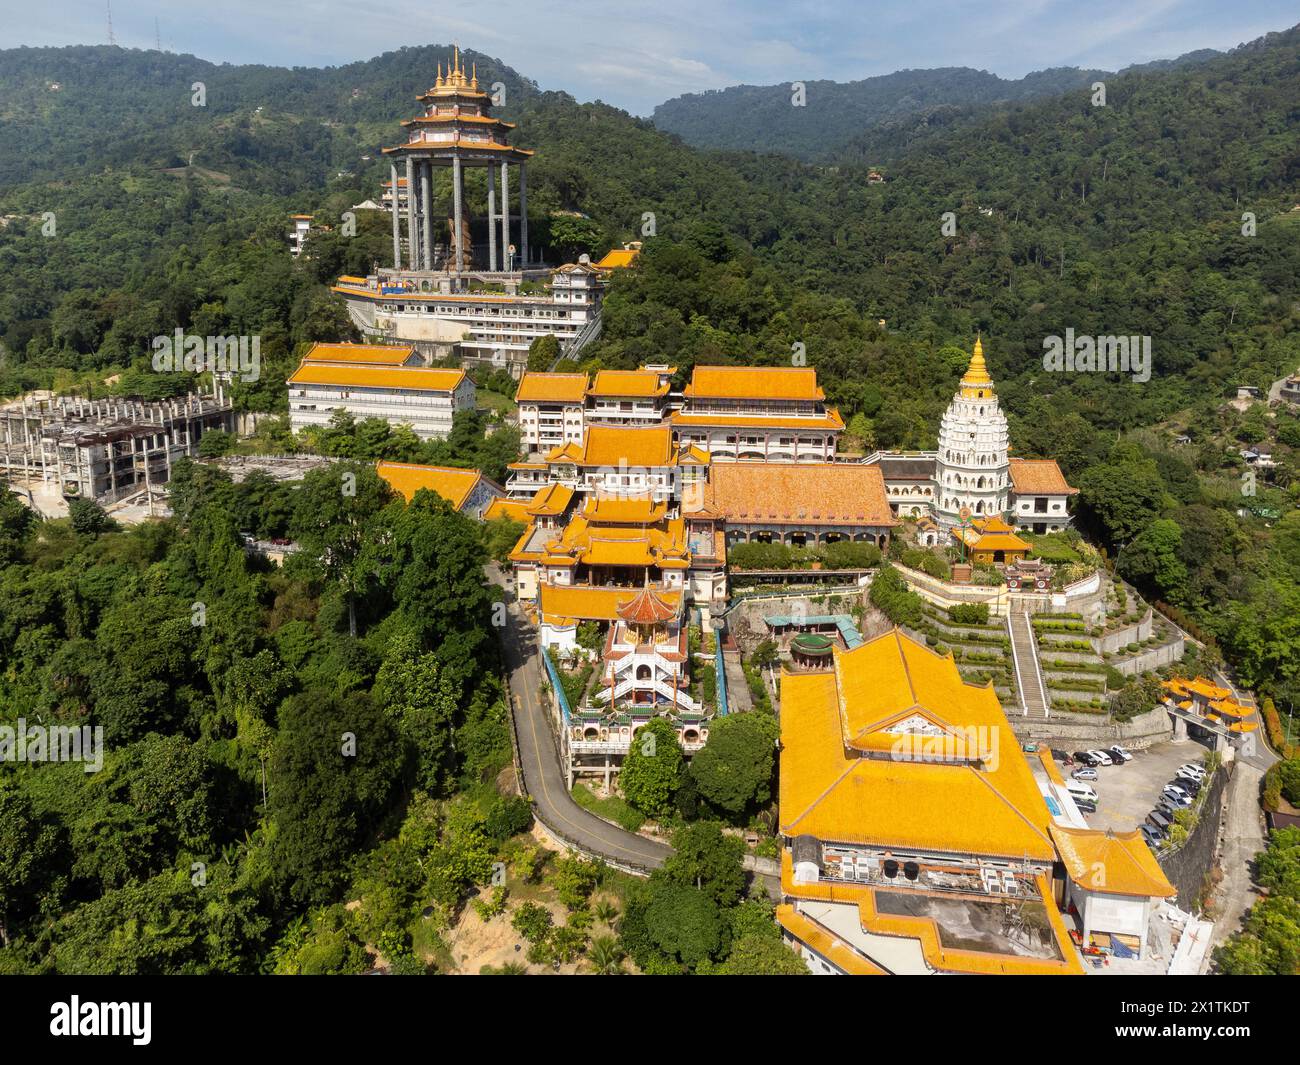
(1128, 792)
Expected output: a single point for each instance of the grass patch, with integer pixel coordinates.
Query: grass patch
(612, 809)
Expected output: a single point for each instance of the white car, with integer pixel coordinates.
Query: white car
(1177, 795)
(1120, 753)
(1198, 771)
(1102, 757)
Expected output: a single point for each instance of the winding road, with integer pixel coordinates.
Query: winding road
(543, 773)
(544, 780)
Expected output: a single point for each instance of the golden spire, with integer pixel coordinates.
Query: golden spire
(977, 373)
(455, 51)
(473, 82)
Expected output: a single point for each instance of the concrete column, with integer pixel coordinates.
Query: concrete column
(523, 214)
(397, 221)
(457, 196)
(412, 244)
(426, 179)
(505, 216)
(492, 216)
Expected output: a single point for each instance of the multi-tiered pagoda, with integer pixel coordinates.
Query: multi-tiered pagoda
(457, 130)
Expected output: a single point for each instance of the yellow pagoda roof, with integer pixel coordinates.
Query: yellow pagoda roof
(360, 354)
(1115, 863)
(618, 259)
(560, 603)
(754, 382)
(454, 485)
(514, 509)
(620, 445)
(413, 378)
(627, 383)
(623, 510)
(551, 388)
(993, 534)
(551, 501)
(825, 944)
(886, 748)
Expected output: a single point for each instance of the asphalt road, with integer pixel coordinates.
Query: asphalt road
(543, 773)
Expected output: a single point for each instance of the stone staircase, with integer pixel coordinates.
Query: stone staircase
(1029, 674)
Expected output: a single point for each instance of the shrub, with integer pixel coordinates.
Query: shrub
(970, 613)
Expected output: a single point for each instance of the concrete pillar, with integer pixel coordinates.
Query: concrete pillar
(457, 196)
(412, 244)
(505, 216)
(492, 216)
(397, 221)
(426, 179)
(523, 215)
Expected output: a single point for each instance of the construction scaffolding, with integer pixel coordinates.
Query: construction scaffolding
(104, 449)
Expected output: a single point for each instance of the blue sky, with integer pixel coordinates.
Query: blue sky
(637, 53)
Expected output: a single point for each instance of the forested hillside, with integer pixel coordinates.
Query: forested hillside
(762, 118)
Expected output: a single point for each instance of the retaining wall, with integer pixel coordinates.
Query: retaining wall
(1188, 866)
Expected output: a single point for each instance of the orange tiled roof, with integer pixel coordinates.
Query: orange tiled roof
(618, 258)
(1038, 477)
(365, 354)
(551, 388)
(415, 378)
(514, 509)
(799, 493)
(828, 422)
(643, 383)
(992, 534)
(551, 501)
(863, 758)
(820, 940)
(648, 608)
(559, 602)
(754, 382)
(454, 485)
(623, 510)
(1116, 863)
(617, 445)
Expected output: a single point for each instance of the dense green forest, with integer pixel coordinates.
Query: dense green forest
(263, 729)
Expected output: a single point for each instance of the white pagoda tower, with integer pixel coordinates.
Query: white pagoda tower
(972, 469)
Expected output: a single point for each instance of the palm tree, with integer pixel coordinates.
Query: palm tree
(606, 912)
(605, 956)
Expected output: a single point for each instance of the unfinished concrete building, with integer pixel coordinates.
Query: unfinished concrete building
(104, 449)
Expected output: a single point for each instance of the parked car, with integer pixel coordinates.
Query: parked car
(1085, 807)
(1119, 754)
(1085, 758)
(1064, 757)
(1160, 820)
(1189, 784)
(1152, 835)
(1167, 805)
(1101, 758)
(1084, 773)
(1178, 795)
(1188, 775)
(1079, 790)
(1198, 771)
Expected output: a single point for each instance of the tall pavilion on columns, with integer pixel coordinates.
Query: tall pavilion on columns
(457, 130)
